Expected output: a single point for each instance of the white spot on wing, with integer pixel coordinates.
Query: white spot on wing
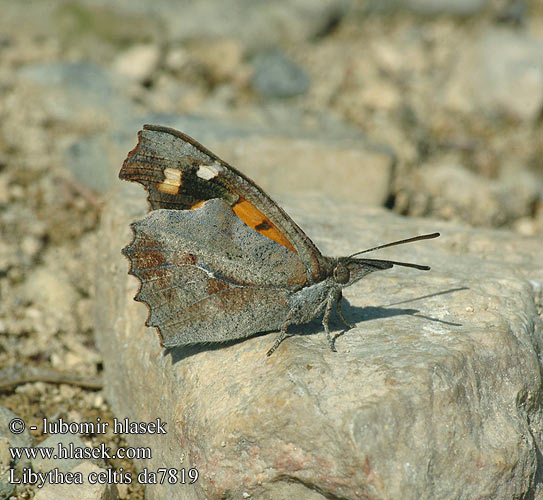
(173, 176)
(172, 181)
(207, 172)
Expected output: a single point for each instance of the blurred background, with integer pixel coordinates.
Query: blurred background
(429, 108)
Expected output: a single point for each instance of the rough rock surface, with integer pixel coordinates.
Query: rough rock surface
(511, 84)
(9, 439)
(85, 491)
(59, 462)
(350, 170)
(23, 439)
(434, 394)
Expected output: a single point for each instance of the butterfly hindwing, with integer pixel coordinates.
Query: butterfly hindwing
(184, 282)
(180, 174)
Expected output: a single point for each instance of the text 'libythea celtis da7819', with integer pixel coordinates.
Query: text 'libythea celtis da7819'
(217, 258)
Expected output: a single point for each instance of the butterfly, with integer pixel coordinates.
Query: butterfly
(218, 259)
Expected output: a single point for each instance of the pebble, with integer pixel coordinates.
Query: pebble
(277, 76)
(139, 62)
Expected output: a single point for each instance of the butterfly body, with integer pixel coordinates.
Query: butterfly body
(217, 259)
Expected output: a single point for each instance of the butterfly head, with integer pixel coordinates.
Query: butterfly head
(348, 270)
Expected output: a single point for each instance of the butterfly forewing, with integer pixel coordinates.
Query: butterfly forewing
(179, 173)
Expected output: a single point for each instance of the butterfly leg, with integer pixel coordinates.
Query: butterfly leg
(282, 334)
(327, 311)
(340, 312)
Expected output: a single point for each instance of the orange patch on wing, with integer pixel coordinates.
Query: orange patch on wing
(173, 179)
(255, 219)
(198, 204)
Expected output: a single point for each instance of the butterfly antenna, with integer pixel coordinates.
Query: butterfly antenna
(400, 242)
(393, 263)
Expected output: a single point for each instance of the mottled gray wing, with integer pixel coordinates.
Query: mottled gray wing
(207, 277)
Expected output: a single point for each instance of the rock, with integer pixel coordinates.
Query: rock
(280, 116)
(276, 75)
(90, 27)
(221, 60)
(335, 169)
(436, 393)
(434, 7)
(260, 25)
(423, 7)
(86, 491)
(5, 455)
(138, 62)
(452, 192)
(5, 194)
(510, 85)
(63, 464)
(51, 290)
(91, 159)
(80, 76)
(380, 95)
(14, 440)
(9, 439)
(94, 23)
(6, 487)
(75, 92)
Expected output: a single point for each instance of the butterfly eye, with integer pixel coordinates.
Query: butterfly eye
(341, 274)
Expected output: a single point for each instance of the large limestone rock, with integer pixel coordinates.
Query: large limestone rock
(436, 393)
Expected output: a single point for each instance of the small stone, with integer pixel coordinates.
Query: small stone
(176, 59)
(381, 96)
(319, 167)
(4, 189)
(6, 488)
(525, 226)
(72, 360)
(5, 455)
(388, 56)
(122, 490)
(450, 191)
(57, 441)
(434, 7)
(85, 491)
(30, 246)
(221, 59)
(276, 75)
(85, 160)
(98, 401)
(16, 440)
(50, 291)
(138, 62)
(509, 85)
(257, 24)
